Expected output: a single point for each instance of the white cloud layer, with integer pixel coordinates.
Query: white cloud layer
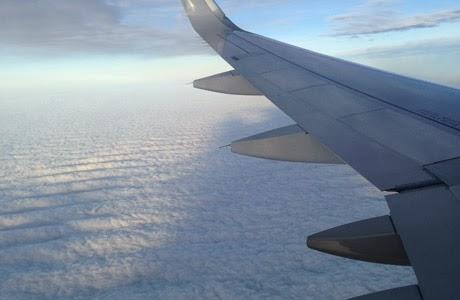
(108, 197)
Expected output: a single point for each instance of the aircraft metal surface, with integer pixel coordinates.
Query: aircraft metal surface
(401, 134)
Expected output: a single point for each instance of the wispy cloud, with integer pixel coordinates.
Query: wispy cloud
(413, 48)
(94, 26)
(154, 28)
(379, 16)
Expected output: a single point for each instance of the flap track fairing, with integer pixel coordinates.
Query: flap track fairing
(227, 83)
(289, 143)
(411, 292)
(372, 240)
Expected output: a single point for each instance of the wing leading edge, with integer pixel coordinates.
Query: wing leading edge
(400, 133)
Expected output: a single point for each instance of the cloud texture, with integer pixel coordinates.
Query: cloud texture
(104, 198)
(379, 16)
(158, 28)
(94, 26)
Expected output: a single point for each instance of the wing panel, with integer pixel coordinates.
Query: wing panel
(389, 147)
(259, 64)
(447, 171)
(435, 102)
(291, 79)
(336, 101)
(428, 223)
(381, 165)
(228, 50)
(246, 46)
(408, 136)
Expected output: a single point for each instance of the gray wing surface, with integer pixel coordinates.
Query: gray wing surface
(401, 134)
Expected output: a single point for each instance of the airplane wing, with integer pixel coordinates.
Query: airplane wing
(401, 134)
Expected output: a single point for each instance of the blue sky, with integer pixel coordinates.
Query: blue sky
(64, 44)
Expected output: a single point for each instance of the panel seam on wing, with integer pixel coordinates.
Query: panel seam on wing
(351, 88)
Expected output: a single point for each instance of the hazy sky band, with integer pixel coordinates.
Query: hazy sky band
(66, 38)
